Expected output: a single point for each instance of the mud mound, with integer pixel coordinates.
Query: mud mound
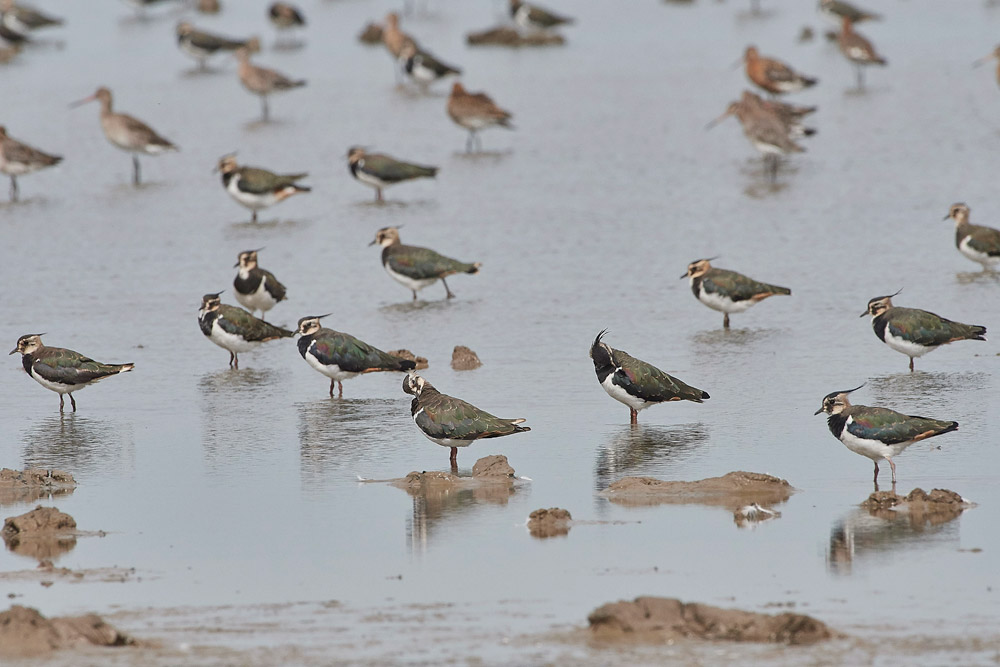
(937, 507)
(421, 362)
(42, 533)
(504, 36)
(24, 632)
(493, 467)
(655, 620)
(549, 522)
(18, 486)
(464, 359)
(732, 490)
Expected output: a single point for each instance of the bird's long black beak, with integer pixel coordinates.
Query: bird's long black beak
(817, 412)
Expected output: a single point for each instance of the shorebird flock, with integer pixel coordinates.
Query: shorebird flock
(772, 126)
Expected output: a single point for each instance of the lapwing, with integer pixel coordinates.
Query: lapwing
(878, 433)
(636, 383)
(916, 332)
(727, 291)
(341, 356)
(60, 370)
(858, 50)
(768, 133)
(17, 159)
(256, 289)
(128, 133)
(262, 81)
(24, 19)
(416, 268)
(837, 11)
(772, 75)
(380, 171)
(285, 17)
(234, 329)
(475, 112)
(201, 45)
(533, 17)
(258, 188)
(423, 67)
(978, 243)
(451, 422)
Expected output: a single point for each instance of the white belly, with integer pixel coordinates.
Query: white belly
(193, 51)
(21, 168)
(766, 148)
(56, 386)
(228, 341)
(873, 449)
(260, 300)
(250, 200)
(722, 303)
(371, 180)
(411, 283)
(986, 260)
(622, 396)
(905, 346)
(332, 371)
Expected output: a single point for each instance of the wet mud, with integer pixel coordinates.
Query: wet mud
(732, 490)
(464, 359)
(658, 620)
(24, 633)
(551, 522)
(31, 484)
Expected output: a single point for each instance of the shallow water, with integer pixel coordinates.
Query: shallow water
(239, 488)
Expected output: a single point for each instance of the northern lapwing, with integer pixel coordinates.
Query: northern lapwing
(415, 268)
(768, 133)
(532, 17)
(727, 291)
(60, 370)
(774, 76)
(636, 383)
(234, 329)
(878, 433)
(201, 45)
(24, 19)
(423, 67)
(451, 422)
(262, 81)
(858, 50)
(258, 188)
(837, 10)
(256, 289)
(380, 171)
(285, 17)
(978, 243)
(475, 112)
(128, 133)
(17, 159)
(916, 332)
(341, 356)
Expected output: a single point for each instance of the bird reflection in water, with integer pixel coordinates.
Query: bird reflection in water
(228, 426)
(437, 499)
(866, 535)
(334, 435)
(79, 444)
(923, 385)
(645, 449)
